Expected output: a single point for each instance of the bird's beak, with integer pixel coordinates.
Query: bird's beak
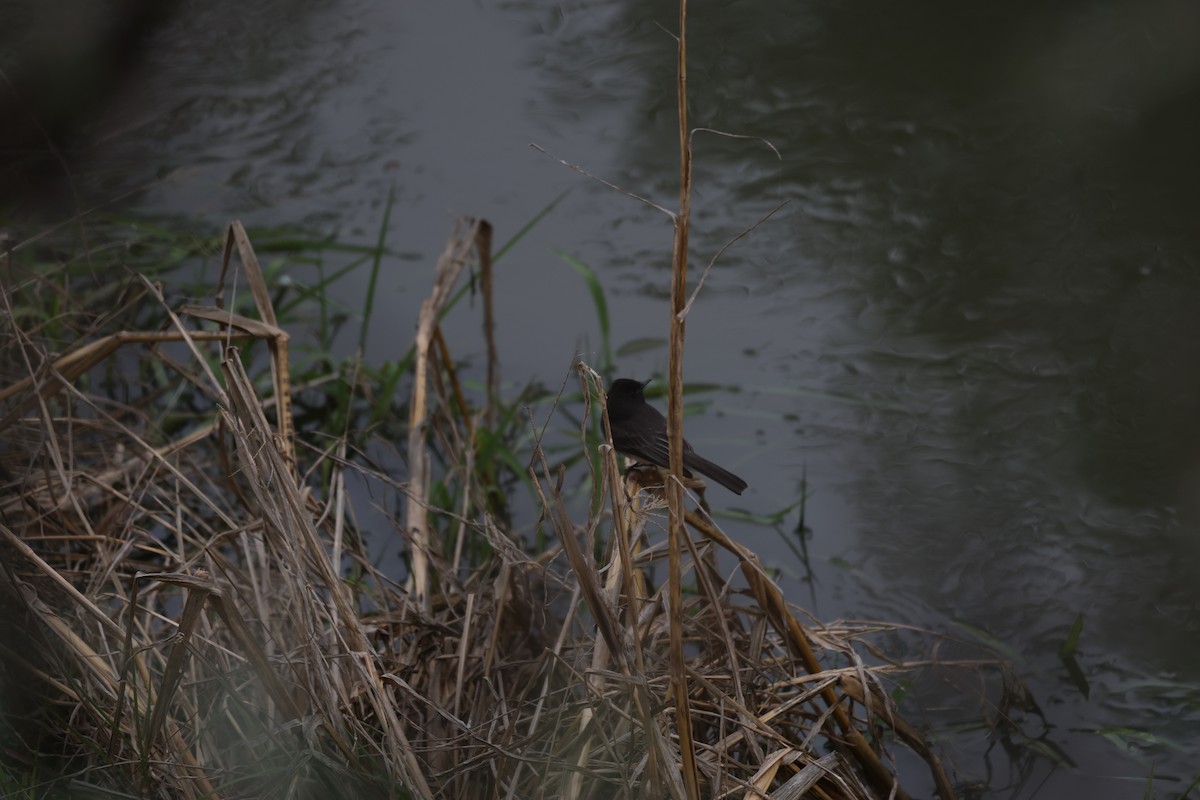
(646, 383)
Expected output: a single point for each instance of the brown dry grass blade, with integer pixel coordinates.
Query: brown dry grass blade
(771, 600)
(296, 544)
(198, 588)
(278, 338)
(69, 366)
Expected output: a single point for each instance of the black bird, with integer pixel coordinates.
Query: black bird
(639, 431)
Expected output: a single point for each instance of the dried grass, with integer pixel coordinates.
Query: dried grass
(191, 617)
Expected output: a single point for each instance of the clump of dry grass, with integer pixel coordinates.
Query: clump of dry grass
(192, 613)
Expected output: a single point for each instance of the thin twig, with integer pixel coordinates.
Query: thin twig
(703, 277)
(625, 192)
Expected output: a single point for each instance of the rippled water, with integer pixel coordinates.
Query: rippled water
(974, 326)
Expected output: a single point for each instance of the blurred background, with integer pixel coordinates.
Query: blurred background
(970, 339)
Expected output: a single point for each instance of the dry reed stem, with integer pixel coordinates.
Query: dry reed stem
(449, 266)
(674, 490)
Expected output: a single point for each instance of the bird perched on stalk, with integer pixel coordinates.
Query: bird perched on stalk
(639, 431)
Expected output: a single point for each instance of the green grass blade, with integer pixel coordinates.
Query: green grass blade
(528, 226)
(376, 262)
(597, 291)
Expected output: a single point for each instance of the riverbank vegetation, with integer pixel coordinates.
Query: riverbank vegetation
(193, 528)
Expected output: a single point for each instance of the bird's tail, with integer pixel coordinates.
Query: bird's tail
(711, 471)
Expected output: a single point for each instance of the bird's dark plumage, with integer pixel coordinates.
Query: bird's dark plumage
(639, 430)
